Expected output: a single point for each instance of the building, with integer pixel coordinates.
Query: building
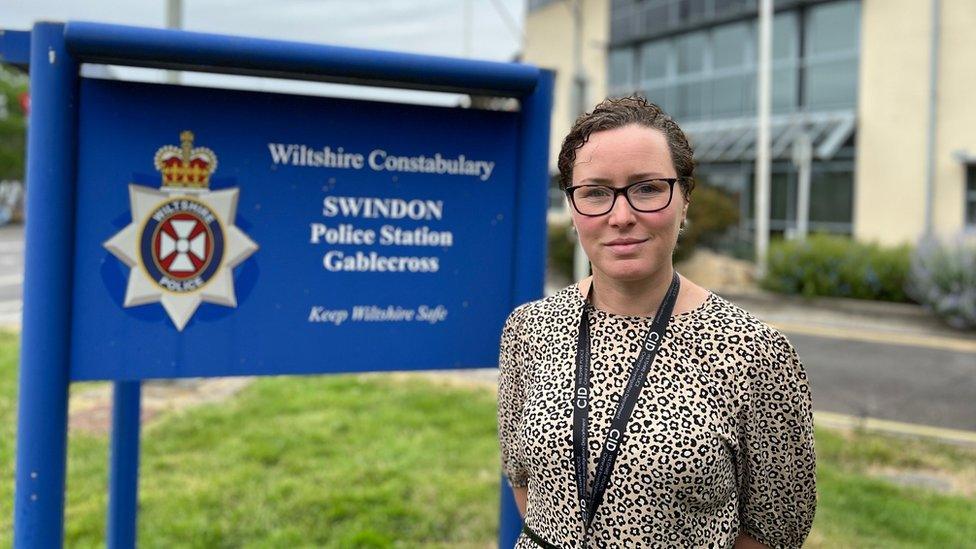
(851, 83)
(549, 42)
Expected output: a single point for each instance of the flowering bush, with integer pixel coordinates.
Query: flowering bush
(943, 278)
(837, 266)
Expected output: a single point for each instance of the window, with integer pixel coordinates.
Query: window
(690, 99)
(690, 92)
(785, 43)
(622, 15)
(831, 84)
(733, 70)
(831, 48)
(786, 48)
(691, 10)
(782, 200)
(731, 95)
(727, 7)
(621, 68)
(691, 53)
(654, 17)
(730, 46)
(663, 96)
(654, 61)
(831, 197)
(655, 70)
(832, 28)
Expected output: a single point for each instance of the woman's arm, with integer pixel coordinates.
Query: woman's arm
(521, 495)
(511, 401)
(776, 460)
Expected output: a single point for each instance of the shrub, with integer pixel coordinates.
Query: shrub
(562, 244)
(837, 266)
(13, 128)
(711, 213)
(943, 278)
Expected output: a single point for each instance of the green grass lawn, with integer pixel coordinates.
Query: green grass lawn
(370, 461)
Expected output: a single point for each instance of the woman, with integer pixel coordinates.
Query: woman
(619, 429)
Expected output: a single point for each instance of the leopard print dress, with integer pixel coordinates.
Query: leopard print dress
(720, 441)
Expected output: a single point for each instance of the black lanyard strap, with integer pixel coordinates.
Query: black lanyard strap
(590, 501)
(529, 533)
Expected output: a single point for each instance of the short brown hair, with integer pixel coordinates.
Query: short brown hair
(617, 113)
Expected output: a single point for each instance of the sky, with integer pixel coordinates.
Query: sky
(434, 27)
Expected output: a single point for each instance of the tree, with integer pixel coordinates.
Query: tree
(13, 127)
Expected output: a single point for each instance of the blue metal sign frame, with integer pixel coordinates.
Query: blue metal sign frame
(56, 53)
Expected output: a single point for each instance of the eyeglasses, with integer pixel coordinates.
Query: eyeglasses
(644, 196)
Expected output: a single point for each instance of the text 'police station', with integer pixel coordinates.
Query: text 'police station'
(388, 235)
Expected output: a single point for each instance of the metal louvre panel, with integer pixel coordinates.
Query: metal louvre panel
(734, 139)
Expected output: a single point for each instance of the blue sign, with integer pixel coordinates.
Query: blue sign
(225, 232)
(176, 231)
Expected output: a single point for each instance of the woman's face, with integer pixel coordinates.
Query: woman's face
(625, 244)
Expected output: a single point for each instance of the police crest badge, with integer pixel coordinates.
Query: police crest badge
(182, 244)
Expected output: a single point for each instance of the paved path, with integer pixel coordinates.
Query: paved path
(11, 274)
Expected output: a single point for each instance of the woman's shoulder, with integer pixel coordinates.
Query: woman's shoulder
(726, 310)
(724, 315)
(743, 346)
(563, 304)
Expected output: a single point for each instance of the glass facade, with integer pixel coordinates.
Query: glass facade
(637, 19)
(698, 61)
(711, 72)
(831, 196)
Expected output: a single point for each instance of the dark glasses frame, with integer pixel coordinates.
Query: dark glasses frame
(623, 191)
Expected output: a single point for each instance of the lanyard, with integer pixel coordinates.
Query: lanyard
(589, 501)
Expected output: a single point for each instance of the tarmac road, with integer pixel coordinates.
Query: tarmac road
(910, 384)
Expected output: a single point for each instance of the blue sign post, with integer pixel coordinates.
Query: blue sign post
(190, 232)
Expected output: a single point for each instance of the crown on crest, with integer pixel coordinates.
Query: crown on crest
(186, 166)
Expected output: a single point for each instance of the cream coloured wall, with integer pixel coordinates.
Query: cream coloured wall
(956, 112)
(889, 179)
(549, 44)
(893, 117)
